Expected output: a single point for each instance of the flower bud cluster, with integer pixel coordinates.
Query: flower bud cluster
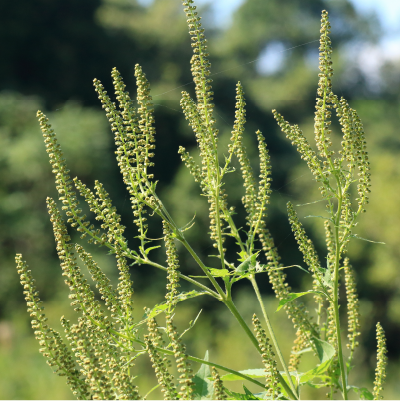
(173, 266)
(219, 393)
(380, 371)
(297, 312)
(307, 248)
(160, 363)
(186, 391)
(268, 358)
(296, 136)
(353, 305)
(51, 344)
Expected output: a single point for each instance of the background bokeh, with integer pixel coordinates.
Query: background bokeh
(52, 50)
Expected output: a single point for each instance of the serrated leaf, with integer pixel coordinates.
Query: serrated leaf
(203, 387)
(253, 373)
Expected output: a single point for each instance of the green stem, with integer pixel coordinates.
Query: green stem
(272, 334)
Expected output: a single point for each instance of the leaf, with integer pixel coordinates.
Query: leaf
(253, 373)
(159, 308)
(203, 387)
(294, 295)
(363, 392)
(320, 217)
(249, 394)
(368, 240)
(286, 267)
(219, 272)
(190, 294)
(151, 248)
(327, 279)
(315, 374)
(248, 263)
(325, 351)
(303, 351)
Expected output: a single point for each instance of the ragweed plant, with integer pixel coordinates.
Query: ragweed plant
(97, 353)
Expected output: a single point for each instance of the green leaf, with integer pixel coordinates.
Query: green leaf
(303, 351)
(363, 392)
(315, 374)
(203, 387)
(159, 308)
(327, 279)
(253, 373)
(368, 240)
(325, 351)
(248, 263)
(294, 295)
(190, 294)
(219, 272)
(151, 248)
(249, 394)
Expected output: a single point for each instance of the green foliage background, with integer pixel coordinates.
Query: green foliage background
(52, 51)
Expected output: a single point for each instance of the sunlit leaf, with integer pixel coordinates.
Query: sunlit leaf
(203, 387)
(253, 373)
(294, 295)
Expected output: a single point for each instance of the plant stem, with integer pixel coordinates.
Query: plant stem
(272, 334)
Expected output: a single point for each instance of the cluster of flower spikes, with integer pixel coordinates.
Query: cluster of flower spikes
(323, 167)
(255, 199)
(183, 365)
(101, 205)
(134, 137)
(297, 312)
(307, 248)
(160, 363)
(52, 346)
(200, 116)
(268, 357)
(90, 338)
(64, 184)
(217, 384)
